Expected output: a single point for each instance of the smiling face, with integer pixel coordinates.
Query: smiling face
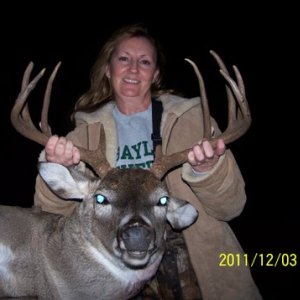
(132, 69)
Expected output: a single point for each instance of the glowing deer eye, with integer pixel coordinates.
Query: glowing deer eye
(163, 201)
(101, 199)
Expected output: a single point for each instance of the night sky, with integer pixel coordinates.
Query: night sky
(255, 39)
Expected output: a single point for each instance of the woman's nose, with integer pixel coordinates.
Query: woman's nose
(133, 66)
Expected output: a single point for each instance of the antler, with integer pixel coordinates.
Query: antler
(22, 122)
(239, 118)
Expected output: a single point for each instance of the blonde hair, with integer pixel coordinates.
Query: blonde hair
(100, 89)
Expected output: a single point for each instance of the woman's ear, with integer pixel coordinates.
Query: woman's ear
(107, 71)
(156, 73)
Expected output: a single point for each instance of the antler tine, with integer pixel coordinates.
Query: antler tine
(223, 67)
(20, 116)
(96, 158)
(44, 117)
(22, 122)
(25, 80)
(235, 94)
(230, 99)
(204, 102)
(239, 119)
(241, 86)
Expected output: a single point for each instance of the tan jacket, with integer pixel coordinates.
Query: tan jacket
(218, 195)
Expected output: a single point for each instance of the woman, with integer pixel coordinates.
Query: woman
(125, 80)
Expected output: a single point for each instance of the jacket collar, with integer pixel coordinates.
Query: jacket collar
(174, 107)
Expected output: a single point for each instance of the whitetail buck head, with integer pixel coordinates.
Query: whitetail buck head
(120, 224)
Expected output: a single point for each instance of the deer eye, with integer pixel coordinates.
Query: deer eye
(101, 199)
(163, 201)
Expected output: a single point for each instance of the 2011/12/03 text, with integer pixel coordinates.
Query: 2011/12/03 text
(258, 259)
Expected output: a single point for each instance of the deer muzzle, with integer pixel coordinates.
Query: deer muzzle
(136, 241)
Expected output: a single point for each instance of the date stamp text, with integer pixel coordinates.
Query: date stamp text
(258, 259)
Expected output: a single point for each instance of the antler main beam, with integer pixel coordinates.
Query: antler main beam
(22, 122)
(239, 117)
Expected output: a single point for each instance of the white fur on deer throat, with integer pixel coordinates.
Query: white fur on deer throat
(124, 275)
(6, 256)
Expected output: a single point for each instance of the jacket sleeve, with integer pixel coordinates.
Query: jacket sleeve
(221, 191)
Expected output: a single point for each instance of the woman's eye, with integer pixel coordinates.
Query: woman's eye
(163, 201)
(145, 62)
(101, 199)
(123, 59)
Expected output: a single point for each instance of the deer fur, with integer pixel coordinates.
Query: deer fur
(108, 248)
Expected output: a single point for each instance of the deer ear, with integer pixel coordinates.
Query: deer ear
(181, 214)
(62, 182)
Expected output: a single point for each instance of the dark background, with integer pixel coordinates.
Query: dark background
(260, 41)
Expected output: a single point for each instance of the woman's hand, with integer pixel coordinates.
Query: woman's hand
(62, 151)
(203, 157)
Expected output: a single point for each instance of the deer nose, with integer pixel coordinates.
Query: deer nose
(137, 236)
